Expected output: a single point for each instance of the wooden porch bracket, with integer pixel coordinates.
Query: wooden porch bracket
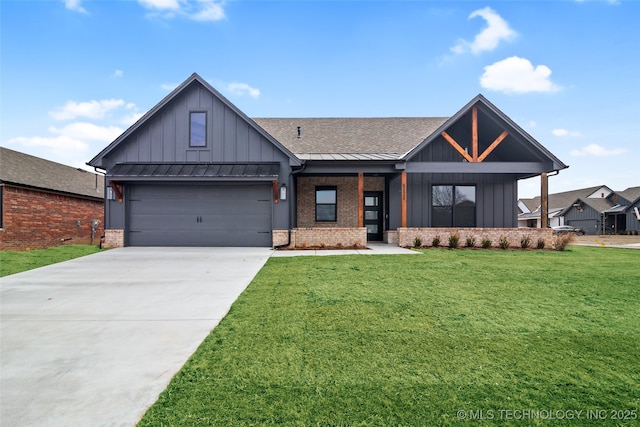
(403, 199)
(117, 188)
(360, 199)
(275, 191)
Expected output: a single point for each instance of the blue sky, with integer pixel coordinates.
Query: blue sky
(77, 73)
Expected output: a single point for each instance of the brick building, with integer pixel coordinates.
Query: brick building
(45, 204)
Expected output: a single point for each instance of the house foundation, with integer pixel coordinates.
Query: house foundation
(407, 236)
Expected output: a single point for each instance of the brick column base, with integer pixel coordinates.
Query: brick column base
(113, 239)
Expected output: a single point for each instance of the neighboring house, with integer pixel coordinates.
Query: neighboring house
(615, 213)
(529, 209)
(44, 204)
(195, 170)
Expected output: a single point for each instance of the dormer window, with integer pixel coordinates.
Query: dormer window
(198, 129)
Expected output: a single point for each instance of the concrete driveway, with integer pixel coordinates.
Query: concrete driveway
(93, 341)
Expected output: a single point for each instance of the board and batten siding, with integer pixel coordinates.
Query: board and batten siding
(588, 219)
(496, 198)
(165, 138)
(496, 194)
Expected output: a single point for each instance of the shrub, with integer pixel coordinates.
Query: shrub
(561, 242)
(486, 243)
(435, 242)
(541, 243)
(471, 242)
(454, 240)
(504, 242)
(525, 242)
(417, 242)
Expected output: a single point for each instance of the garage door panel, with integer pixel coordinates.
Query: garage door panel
(215, 215)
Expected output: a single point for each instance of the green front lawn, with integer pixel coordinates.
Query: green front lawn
(12, 262)
(444, 338)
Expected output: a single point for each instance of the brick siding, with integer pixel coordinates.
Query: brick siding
(347, 199)
(34, 219)
(113, 238)
(406, 236)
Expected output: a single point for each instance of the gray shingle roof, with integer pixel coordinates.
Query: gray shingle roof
(561, 200)
(23, 169)
(351, 138)
(631, 193)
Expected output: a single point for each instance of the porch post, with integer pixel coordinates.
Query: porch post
(360, 199)
(403, 199)
(544, 200)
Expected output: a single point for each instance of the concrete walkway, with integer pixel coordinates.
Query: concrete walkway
(93, 341)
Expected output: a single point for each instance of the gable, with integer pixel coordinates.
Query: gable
(478, 133)
(600, 193)
(162, 135)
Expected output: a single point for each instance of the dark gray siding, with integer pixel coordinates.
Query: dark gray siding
(588, 219)
(165, 138)
(496, 198)
(633, 223)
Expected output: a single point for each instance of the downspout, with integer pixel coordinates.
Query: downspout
(291, 208)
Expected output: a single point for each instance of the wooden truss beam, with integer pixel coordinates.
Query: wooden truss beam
(474, 134)
(456, 146)
(474, 158)
(493, 145)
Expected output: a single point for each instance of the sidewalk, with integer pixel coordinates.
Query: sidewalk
(372, 249)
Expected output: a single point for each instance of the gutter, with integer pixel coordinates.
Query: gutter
(291, 208)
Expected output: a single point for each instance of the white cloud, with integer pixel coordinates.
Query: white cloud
(118, 73)
(597, 150)
(613, 2)
(160, 4)
(58, 144)
(75, 6)
(91, 109)
(564, 132)
(168, 86)
(517, 75)
(130, 119)
(197, 10)
(210, 11)
(497, 29)
(88, 131)
(243, 89)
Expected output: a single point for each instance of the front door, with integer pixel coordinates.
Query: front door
(373, 215)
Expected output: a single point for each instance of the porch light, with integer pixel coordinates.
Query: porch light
(283, 191)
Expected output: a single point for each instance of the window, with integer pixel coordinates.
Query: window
(453, 206)
(198, 129)
(326, 204)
